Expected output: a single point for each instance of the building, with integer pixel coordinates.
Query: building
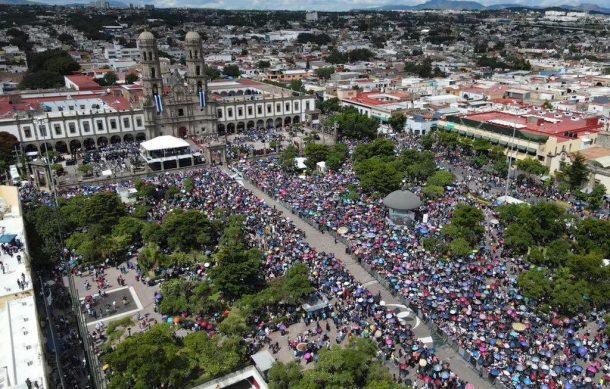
(311, 16)
(21, 354)
(380, 105)
(543, 135)
(81, 83)
(85, 117)
(250, 104)
(71, 121)
(117, 51)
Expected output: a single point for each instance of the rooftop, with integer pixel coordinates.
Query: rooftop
(541, 122)
(378, 98)
(20, 339)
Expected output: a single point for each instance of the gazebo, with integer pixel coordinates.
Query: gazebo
(403, 206)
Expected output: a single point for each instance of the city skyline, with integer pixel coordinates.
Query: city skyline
(320, 5)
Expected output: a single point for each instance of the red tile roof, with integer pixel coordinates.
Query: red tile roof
(84, 82)
(368, 98)
(543, 123)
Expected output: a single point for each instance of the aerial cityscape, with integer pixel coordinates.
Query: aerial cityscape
(353, 194)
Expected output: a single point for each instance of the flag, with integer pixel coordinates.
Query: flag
(158, 103)
(201, 98)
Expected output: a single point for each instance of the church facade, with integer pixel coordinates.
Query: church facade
(69, 121)
(175, 106)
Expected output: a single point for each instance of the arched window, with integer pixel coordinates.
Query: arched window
(153, 74)
(196, 54)
(198, 70)
(144, 55)
(191, 54)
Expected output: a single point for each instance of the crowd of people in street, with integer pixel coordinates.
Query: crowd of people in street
(116, 157)
(474, 301)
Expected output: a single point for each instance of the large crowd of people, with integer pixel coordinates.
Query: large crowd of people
(475, 302)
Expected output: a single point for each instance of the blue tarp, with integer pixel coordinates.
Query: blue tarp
(7, 238)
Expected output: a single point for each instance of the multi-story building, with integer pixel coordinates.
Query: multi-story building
(71, 120)
(542, 135)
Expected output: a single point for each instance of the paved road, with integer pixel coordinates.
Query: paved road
(326, 243)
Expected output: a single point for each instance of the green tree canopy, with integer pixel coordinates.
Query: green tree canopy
(354, 125)
(148, 359)
(577, 173)
(397, 121)
(231, 71)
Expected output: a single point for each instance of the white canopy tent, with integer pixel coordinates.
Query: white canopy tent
(164, 142)
(508, 200)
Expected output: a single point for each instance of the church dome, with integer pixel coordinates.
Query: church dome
(192, 36)
(146, 36)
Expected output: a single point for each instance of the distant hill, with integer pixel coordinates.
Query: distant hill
(475, 6)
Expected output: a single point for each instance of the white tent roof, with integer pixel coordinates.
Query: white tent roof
(164, 142)
(508, 200)
(301, 162)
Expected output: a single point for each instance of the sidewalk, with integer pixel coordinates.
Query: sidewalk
(326, 243)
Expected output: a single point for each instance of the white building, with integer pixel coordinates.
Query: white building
(116, 51)
(21, 353)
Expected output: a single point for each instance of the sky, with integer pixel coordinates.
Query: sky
(334, 5)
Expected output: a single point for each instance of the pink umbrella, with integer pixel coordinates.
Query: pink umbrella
(469, 386)
(389, 342)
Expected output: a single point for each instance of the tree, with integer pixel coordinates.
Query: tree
(441, 178)
(547, 105)
(237, 271)
(352, 366)
(287, 159)
(263, 64)
(466, 224)
(103, 209)
(236, 324)
(297, 86)
(187, 230)
(7, 146)
(211, 72)
(535, 284)
(231, 71)
(384, 148)
(377, 175)
(131, 78)
(596, 197)
(41, 80)
(212, 357)
(352, 124)
(329, 105)
(66, 39)
(148, 359)
(325, 72)
(337, 155)
(285, 375)
(336, 57)
(532, 166)
(397, 121)
(110, 78)
(577, 172)
(460, 247)
(315, 153)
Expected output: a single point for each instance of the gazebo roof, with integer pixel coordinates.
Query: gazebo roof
(402, 200)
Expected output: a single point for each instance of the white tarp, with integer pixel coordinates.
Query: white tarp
(106, 173)
(300, 161)
(164, 142)
(508, 200)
